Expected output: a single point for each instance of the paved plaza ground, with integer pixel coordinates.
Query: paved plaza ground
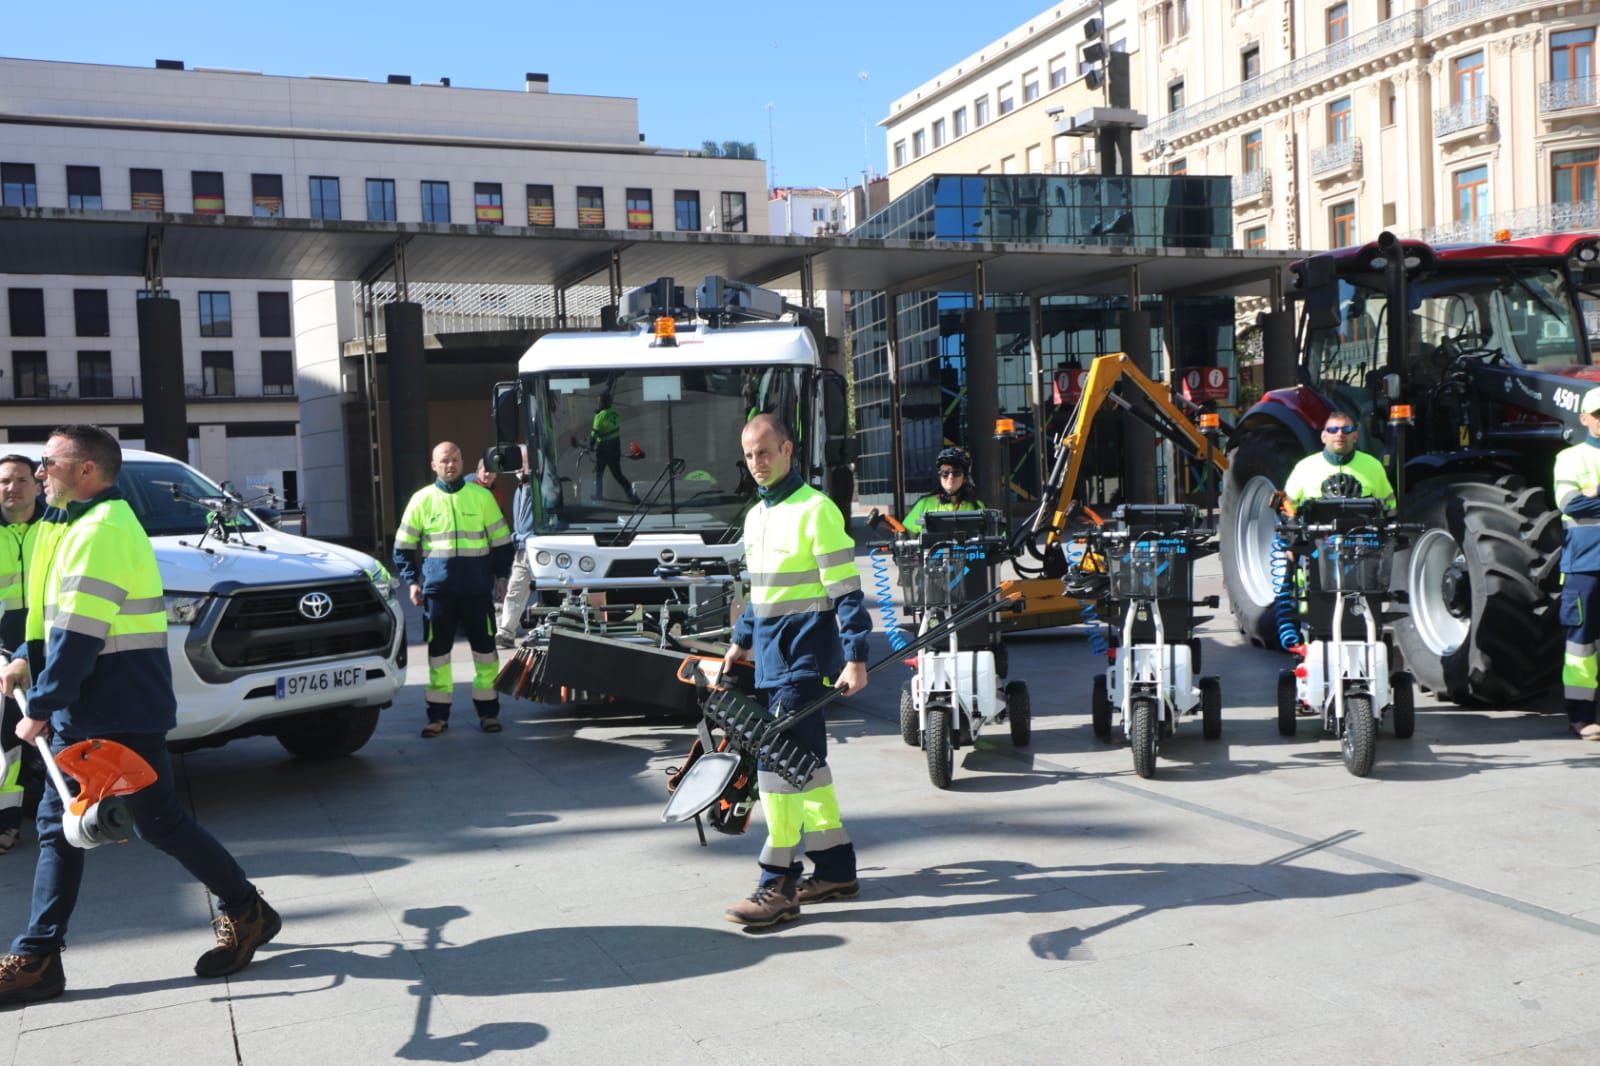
(514, 898)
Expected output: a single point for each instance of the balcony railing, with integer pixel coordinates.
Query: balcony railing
(1336, 157)
(1568, 93)
(1251, 183)
(1464, 115)
(1523, 222)
(233, 386)
(469, 308)
(1387, 36)
(126, 387)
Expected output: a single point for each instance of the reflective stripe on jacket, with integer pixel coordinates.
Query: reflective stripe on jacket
(806, 617)
(453, 539)
(1305, 480)
(1578, 468)
(97, 623)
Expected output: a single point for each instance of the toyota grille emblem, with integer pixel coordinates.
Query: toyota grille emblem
(316, 605)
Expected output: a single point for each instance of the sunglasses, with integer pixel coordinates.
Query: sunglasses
(47, 461)
(1339, 429)
(947, 472)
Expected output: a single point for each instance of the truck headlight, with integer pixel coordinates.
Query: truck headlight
(563, 560)
(542, 557)
(586, 564)
(387, 584)
(184, 607)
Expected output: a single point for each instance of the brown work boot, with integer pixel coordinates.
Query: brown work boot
(238, 938)
(816, 890)
(31, 978)
(768, 905)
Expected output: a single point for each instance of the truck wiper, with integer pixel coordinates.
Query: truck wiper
(672, 469)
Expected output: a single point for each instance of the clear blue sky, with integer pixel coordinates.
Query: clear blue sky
(806, 59)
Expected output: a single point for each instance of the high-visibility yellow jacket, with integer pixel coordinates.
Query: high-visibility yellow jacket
(453, 540)
(606, 427)
(931, 502)
(1305, 480)
(806, 617)
(16, 548)
(97, 623)
(1578, 468)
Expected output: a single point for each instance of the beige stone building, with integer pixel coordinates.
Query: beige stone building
(1450, 120)
(995, 111)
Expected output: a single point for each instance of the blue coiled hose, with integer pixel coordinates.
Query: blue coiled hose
(1284, 599)
(883, 589)
(1097, 636)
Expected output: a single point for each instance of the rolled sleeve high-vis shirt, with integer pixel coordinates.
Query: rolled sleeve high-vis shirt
(97, 623)
(453, 539)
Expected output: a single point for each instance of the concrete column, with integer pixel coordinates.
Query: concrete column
(1139, 442)
(983, 406)
(409, 443)
(166, 416)
(897, 447)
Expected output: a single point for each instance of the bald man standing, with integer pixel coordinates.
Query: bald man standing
(453, 551)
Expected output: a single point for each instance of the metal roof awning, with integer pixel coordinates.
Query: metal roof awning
(119, 243)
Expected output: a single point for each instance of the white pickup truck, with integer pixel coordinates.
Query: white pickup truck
(269, 634)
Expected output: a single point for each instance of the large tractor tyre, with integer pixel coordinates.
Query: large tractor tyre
(910, 725)
(1144, 733)
(1258, 467)
(939, 742)
(1482, 582)
(320, 735)
(1359, 746)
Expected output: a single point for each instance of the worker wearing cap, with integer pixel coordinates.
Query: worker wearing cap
(1338, 456)
(1577, 488)
(955, 491)
(805, 622)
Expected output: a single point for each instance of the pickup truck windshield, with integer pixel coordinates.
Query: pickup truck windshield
(148, 485)
(599, 438)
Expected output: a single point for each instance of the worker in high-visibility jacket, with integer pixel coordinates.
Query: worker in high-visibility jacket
(955, 492)
(605, 438)
(454, 551)
(96, 652)
(1577, 490)
(806, 625)
(20, 508)
(1338, 456)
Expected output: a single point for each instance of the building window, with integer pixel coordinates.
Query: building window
(734, 219)
(819, 214)
(1391, 106)
(1058, 72)
(1255, 237)
(1030, 86)
(277, 373)
(1175, 96)
(436, 201)
(1339, 121)
(1005, 99)
(1250, 63)
(266, 195)
(591, 207)
(686, 209)
(148, 190)
(899, 153)
(272, 308)
(958, 122)
(18, 185)
(1466, 77)
(27, 312)
(1471, 187)
(980, 112)
(640, 205)
(216, 373)
(1572, 55)
(94, 375)
(1178, 166)
(919, 144)
(216, 314)
(541, 205)
(30, 375)
(1573, 176)
(325, 198)
(1034, 159)
(1253, 153)
(380, 200)
(938, 133)
(90, 313)
(83, 188)
(1338, 23)
(207, 189)
(1167, 34)
(488, 207)
(1342, 224)
(1183, 17)
(1008, 165)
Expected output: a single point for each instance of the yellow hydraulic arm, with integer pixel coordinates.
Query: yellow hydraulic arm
(1110, 378)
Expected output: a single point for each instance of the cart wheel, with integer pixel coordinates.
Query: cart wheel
(1360, 742)
(1002, 660)
(1405, 704)
(940, 745)
(910, 728)
(1100, 709)
(1019, 711)
(1211, 707)
(1144, 733)
(1194, 656)
(1286, 699)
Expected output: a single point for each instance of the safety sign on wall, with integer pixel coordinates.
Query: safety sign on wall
(1202, 383)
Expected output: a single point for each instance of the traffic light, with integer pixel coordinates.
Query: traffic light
(1110, 66)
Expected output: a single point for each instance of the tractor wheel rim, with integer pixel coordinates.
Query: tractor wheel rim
(1252, 542)
(1439, 587)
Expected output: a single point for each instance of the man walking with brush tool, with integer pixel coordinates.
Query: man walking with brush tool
(806, 622)
(97, 653)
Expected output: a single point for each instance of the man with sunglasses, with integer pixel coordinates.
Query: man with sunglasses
(1338, 456)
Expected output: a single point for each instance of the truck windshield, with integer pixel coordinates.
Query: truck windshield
(148, 485)
(601, 439)
(1523, 315)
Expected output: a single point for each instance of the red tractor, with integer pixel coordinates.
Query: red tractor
(1486, 344)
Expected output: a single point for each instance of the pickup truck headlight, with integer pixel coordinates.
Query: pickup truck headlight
(184, 607)
(387, 584)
